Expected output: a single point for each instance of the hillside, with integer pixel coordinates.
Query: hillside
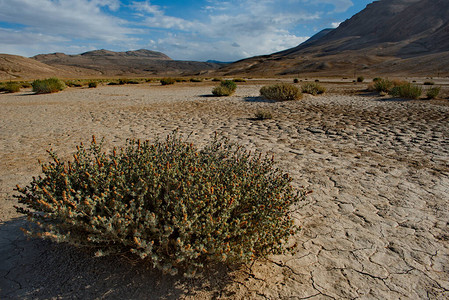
(139, 63)
(388, 36)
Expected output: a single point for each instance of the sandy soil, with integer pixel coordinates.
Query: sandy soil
(376, 226)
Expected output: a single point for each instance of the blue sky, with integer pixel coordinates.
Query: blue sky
(185, 30)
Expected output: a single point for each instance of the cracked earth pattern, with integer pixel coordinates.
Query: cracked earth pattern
(375, 227)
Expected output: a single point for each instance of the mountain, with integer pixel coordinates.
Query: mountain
(388, 36)
(138, 63)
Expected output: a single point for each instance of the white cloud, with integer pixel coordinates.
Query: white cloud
(335, 24)
(80, 19)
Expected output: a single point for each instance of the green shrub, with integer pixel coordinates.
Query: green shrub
(50, 85)
(281, 92)
(429, 83)
(263, 115)
(406, 90)
(10, 87)
(167, 81)
(360, 79)
(296, 80)
(113, 83)
(313, 88)
(376, 79)
(239, 80)
(383, 85)
(93, 84)
(433, 92)
(226, 88)
(168, 202)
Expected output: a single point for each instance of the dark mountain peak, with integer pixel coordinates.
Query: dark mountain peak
(141, 53)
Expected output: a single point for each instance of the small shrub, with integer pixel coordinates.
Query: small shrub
(313, 88)
(383, 85)
(406, 90)
(50, 85)
(226, 88)
(429, 83)
(167, 81)
(196, 80)
(239, 80)
(317, 80)
(216, 79)
(93, 84)
(25, 84)
(168, 202)
(113, 83)
(10, 87)
(281, 92)
(296, 80)
(433, 92)
(360, 79)
(375, 79)
(263, 115)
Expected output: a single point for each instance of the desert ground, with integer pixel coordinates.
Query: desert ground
(375, 227)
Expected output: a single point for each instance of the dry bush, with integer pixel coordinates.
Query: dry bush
(281, 92)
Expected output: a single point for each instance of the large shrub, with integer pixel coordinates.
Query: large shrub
(226, 88)
(50, 85)
(168, 202)
(10, 87)
(433, 92)
(383, 85)
(167, 81)
(406, 90)
(313, 88)
(281, 92)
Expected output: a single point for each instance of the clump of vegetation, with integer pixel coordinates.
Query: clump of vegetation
(113, 83)
(124, 81)
(313, 88)
(226, 88)
(375, 79)
(196, 80)
(296, 80)
(360, 79)
(25, 84)
(167, 81)
(239, 80)
(216, 79)
(406, 90)
(50, 85)
(383, 85)
(10, 87)
(433, 92)
(281, 92)
(93, 84)
(429, 83)
(168, 202)
(263, 115)
(317, 80)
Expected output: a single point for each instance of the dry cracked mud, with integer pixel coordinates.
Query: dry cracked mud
(375, 227)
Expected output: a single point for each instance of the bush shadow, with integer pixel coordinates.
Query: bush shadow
(38, 269)
(258, 99)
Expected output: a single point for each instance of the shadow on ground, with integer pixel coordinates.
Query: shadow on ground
(258, 99)
(38, 269)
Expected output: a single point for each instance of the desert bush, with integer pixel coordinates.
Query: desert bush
(239, 80)
(167, 81)
(383, 85)
(317, 80)
(216, 79)
(168, 202)
(123, 81)
(196, 80)
(429, 83)
(113, 83)
(313, 88)
(406, 90)
(10, 87)
(263, 115)
(433, 92)
(376, 79)
(226, 88)
(50, 85)
(25, 84)
(93, 84)
(296, 80)
(281, 92)
(360, 79)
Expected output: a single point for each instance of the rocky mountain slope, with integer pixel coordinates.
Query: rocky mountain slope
(388, 36)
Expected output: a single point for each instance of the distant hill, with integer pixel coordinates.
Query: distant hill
(387, 37)
(130, 63)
